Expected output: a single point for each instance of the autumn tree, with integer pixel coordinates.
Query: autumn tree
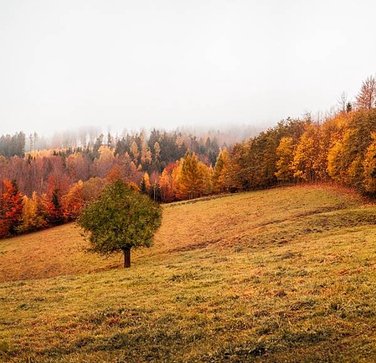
(145, 184)
(92, 188)
(221, 172)
(308, 154)
(370, 167)
(192, 176)
(335, 162)
(105, 161)
(166, 183)
(135, 152)
(33, 215)
(366, 98)
(73, 201)
(346, 156)
(78, 166)
(55, 212)
(146, 155)
(11, 205)
(285, 155)
(157, 151)
(121, 219)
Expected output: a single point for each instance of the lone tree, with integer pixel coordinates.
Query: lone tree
(120, 219)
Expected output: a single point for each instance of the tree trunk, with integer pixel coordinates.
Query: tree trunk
(127, 257)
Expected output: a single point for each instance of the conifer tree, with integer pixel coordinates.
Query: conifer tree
(191, 179)
(221, 172)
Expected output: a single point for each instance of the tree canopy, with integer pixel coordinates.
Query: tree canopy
(120, 219)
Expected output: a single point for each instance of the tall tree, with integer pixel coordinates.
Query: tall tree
(191, 177)
(145, 184)
(221, 172)
(55, 212)
(366, 98)
(73, 201)
(33, 216)
(285, 155)
(370, 167)
(11, 205)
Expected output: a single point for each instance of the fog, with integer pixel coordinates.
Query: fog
(116, 65)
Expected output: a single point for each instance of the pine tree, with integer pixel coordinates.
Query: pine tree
(191, 179)
(221, 172)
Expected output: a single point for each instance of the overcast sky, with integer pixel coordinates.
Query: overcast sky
(166, 63)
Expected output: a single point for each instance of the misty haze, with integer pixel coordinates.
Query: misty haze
(187, 181)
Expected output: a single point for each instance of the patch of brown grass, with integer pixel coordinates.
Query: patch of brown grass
(49, 253)
(284, 275)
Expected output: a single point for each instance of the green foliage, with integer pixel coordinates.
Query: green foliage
(120, 219)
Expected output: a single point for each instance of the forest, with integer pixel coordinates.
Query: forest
(47, 187)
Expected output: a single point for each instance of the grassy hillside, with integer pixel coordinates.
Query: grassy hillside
(286, 274)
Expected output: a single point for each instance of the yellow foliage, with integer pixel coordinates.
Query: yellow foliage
(285, 155)
(370, 167)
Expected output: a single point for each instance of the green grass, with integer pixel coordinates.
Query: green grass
(284, 275)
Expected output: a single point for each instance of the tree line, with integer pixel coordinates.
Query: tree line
(47, 188)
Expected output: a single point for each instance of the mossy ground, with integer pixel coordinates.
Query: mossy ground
(283, 275)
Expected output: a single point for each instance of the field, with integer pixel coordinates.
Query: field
(284, 275)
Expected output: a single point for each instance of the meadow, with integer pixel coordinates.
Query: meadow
(282, 275)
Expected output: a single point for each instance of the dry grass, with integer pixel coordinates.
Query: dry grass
(281, 275)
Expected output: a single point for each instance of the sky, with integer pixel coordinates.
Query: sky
(121, 64)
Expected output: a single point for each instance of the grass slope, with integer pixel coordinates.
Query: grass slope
(286, 274)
